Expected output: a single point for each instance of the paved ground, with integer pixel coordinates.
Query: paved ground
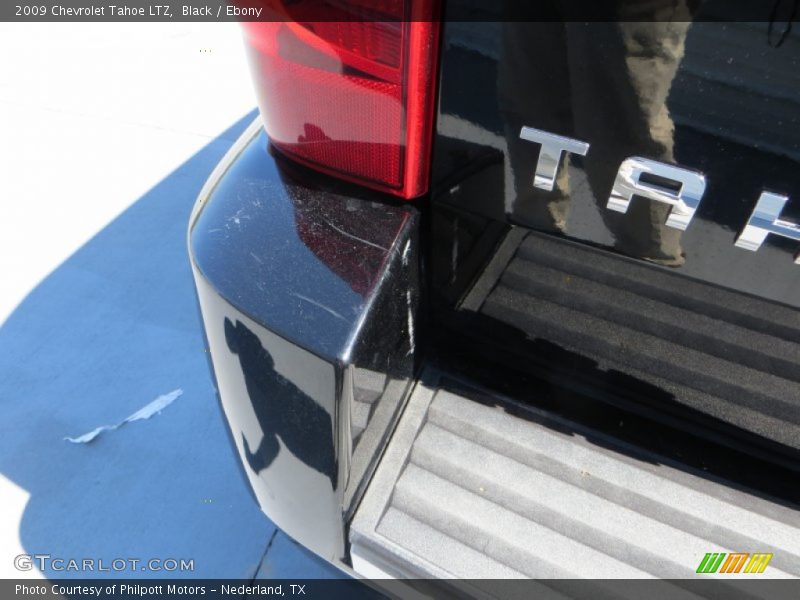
(108, 133)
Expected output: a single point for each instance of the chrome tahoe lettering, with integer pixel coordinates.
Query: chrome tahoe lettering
(765, 219)
(553, 148)
(685, 199)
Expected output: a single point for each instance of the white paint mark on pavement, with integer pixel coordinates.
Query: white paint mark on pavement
(154, 407)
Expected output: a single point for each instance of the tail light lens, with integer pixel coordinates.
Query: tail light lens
(347, 87)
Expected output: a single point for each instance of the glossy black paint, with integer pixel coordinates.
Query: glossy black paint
(310, 287)
(717, 97)
(731, 111)
(309, 295)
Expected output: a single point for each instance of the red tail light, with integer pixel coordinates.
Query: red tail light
(351, 97)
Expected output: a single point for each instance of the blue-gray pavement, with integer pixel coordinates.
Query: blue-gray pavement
(112, 328)
(289, 560)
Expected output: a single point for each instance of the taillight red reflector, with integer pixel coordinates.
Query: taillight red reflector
(350, 98)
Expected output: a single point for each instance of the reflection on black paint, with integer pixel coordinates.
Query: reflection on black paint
(283, 410)
(331, 269)
(350, 235)
(352, 248)
(606, 84)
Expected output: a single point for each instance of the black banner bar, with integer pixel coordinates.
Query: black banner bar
(710, 587)
(779, 11)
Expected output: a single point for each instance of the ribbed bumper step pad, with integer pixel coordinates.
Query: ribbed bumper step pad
(474, 489)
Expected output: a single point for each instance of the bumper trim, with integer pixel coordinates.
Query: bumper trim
(309, 296)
